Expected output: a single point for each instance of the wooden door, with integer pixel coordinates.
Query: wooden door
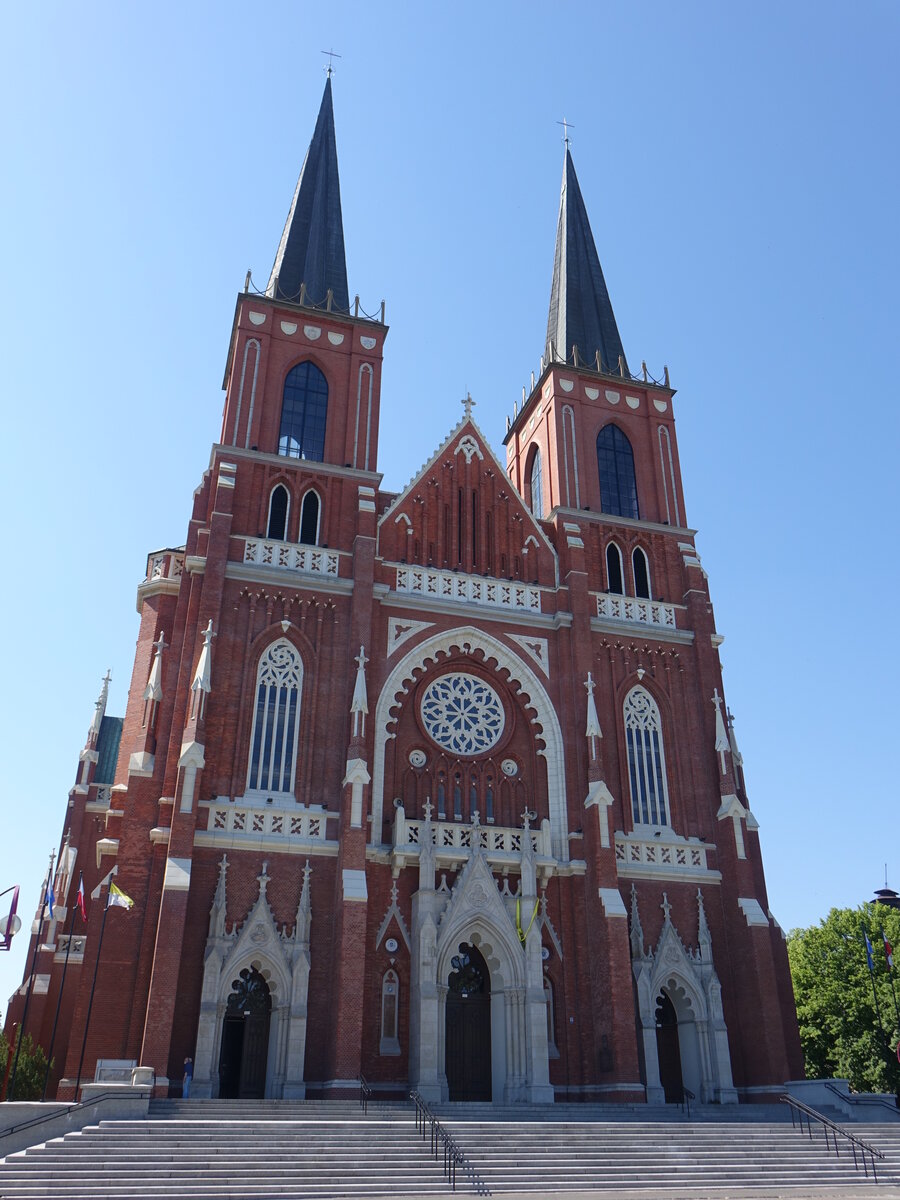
(467, 1045)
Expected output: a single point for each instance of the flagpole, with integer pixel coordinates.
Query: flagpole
(869, 963)
(37, 943)
(59, 999)
(87, 1019)
(891, 977)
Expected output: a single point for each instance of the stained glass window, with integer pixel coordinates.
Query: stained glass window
(276, 719)
(646, 759)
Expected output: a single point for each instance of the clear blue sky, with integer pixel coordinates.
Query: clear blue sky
(739, 163)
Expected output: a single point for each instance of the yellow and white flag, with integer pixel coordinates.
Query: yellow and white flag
(118, 899)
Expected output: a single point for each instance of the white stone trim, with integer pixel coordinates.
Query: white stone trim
(469, 639)
(178, 875)
(354, 884)
(752, 910)
(613, 904)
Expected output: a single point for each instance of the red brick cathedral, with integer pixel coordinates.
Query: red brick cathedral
(438, 787)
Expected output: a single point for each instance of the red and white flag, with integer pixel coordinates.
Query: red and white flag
(888, 952)
(79, 899)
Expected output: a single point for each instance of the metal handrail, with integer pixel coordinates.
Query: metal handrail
(799, 1111)
(686, 1097)
(64, 1110)
(863, 1100)
(365, 1094)
(443, 1145)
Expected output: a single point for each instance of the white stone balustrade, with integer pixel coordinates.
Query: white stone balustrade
(252, 821)
(165, 564)
(667, 854)
(454, 840)
(635, 610)
(290, 557)
(468, 589)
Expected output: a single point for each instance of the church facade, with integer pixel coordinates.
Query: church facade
(438, 788)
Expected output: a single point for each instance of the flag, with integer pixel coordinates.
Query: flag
(888, 952)
(118, 899)
(51, 899)
(79, 899)
(869, 951)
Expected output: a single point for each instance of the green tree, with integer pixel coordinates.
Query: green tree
(839, 1026)
(30, 1072)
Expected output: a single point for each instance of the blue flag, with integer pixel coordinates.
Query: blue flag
(869, 951)
(51, 899)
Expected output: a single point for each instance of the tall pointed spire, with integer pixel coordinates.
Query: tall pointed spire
(311, 250)
(580, 310)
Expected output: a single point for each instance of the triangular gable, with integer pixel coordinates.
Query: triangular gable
(464, 445)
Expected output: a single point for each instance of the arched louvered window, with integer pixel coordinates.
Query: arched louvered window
(615, 582)
(310, 511)
(641, 573)
(536, 487)
(303, 413)
(646, 759)
(615, 464)
(276, 527)
(390, 1013)
(276, 720)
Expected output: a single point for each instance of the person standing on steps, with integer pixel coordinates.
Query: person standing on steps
(188, 1076)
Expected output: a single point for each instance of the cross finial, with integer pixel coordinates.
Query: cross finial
(107, 678)
(566, 127)
(476, 819)
(717, 700)
(208, 634)
(468, 404)
(429, 809)
(666, 907)
(589, 684)
(361, 659)
(331, 56)
(527, 817)
(161, 644)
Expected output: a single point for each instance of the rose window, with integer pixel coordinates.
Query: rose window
(462, 714)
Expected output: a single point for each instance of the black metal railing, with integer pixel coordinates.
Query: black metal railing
(862, 1151)
(365, 1094)
(686, 1097)
(865, 1101)
(444, 1146)
(64, 1110)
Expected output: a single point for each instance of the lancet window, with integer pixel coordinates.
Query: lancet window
(615, 580)
(276, 526)
(615, 465)
(310, 511)
(390, 1013)
(303, 413)
(641, 573)
(646, 759)
(536, 487)
(276, 720)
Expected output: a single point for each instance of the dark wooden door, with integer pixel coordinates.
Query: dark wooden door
(669, 1051)
(230, 1057)
(254, 1054)
(245, 1038)
(467, 1046)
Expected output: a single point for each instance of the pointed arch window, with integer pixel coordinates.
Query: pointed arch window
(615, 465)
(310, 511)
(615, 577)
(536, 487)
(279, 503)
(641, 573)
(646, 759)
(276, 720)
(303, 413)
(390, 1013)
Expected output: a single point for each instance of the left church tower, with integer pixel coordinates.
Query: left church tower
(228, 837)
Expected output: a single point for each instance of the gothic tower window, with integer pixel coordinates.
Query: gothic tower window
(615, 464)
(536, 487)
(646, 759)
(303, 413)
(310, 510)
(614, 573)
(276, 720)
(641, 573)
(276, 527)
(390, 1013)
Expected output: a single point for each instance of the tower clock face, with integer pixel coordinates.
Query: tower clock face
(462, 714)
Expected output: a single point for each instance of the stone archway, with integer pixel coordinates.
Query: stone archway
(678, 1044)
(244, 1040)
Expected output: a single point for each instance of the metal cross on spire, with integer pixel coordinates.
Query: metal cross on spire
(331, 56)
(566, 127)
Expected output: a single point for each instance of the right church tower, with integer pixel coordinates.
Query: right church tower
(593, 450)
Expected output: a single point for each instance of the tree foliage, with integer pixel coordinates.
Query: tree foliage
(30, 1072)
(840, 1030)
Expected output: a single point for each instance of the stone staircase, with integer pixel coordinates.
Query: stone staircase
(310, 1149)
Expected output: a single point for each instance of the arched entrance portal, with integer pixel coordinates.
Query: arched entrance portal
(468, 1026)
(668, 1050)
(245, 1038)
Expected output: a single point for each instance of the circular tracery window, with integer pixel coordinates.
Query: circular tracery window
(462, 714)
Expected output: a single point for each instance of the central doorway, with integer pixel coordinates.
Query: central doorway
(245, 1038)
(468, 1029)
(669, 1050)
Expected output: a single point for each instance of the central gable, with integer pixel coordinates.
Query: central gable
(462, 513)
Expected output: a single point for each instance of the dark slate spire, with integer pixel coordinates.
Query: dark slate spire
(312, 245)
(580, 310)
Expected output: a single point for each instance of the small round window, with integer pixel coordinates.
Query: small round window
(462, 713)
